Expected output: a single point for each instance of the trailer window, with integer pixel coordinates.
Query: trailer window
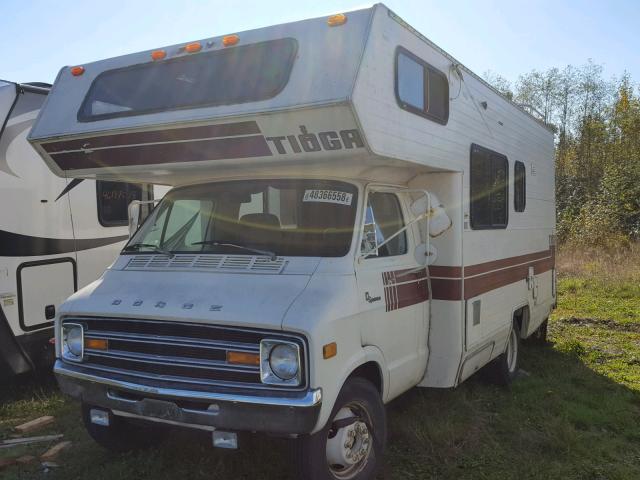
(519, 187)
(383, 218)
(421, 88)
(247, 73)
(488, 189)
(113, 202)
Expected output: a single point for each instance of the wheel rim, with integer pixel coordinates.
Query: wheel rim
(512, 351)
(349, 448)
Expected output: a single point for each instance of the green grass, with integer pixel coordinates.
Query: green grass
(574, 414)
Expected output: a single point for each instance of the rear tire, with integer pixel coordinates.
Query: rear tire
(122, 435)
(503, 369)
(539, 337)
(351, 445)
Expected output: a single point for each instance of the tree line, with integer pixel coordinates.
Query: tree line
(597, 125)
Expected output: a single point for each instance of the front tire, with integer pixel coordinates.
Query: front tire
(351, 445)
(122, 435)
(504, 369)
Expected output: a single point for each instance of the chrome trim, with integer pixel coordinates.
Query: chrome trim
(172, 361)
(310, 398)
(75, 358)
(267, 375)
(174, 341)
(188, 380)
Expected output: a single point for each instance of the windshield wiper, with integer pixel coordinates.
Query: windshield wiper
(215, 243)
(155, 248)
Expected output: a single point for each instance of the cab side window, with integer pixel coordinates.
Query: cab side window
(383, 218)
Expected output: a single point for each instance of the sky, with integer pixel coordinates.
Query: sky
(508, 37)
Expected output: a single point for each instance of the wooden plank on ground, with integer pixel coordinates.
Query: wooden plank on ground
(54, 451)
(34, 425)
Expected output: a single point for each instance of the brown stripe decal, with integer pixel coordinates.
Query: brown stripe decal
(447, 281)
(481, 268)
(445, 272)
(403, 288)
(156, 136)
(217, 149)
(480, 284)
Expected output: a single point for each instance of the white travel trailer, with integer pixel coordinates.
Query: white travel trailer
(55, 235)
(355, 213)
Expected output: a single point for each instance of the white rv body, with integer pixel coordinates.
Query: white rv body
(338, 118)
(51, 240)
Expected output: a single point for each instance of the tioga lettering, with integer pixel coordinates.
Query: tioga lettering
(310, 142)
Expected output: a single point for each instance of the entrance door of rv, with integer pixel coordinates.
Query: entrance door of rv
(392, 291)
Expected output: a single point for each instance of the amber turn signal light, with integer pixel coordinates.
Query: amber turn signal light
(158, 54)
(77, 71)
(230, 40)
(243, 358)
(96, 344)
(193, 47)
(337, 20)
(330, 350)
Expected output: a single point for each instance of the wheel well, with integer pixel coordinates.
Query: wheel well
(521, 317)
(369, 371)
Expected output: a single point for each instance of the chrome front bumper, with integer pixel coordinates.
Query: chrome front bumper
(295, 413)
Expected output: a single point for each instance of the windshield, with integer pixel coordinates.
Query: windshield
(312, 218)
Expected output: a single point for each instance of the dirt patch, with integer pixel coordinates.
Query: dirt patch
(602, 323)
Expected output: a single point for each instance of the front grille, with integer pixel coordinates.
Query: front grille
(186, 353)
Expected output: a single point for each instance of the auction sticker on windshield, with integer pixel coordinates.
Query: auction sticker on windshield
(328, 196)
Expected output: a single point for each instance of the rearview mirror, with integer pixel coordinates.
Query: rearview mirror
(439, 221)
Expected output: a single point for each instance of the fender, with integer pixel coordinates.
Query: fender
(367, 353)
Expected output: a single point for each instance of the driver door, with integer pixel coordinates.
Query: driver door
(392, 293)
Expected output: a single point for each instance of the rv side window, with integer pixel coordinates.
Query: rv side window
(421, 88)
(383, 218)
(519, 187)
(488, 189)
(113, 202)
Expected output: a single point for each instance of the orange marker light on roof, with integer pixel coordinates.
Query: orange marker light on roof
(158, 54)
(77, 71)
(230, 40)
(193, 47)
(337, 20)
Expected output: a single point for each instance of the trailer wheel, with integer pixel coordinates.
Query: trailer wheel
(503, 370)
(351, 445)
(122, 435)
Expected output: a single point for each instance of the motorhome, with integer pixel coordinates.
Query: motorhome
(56, 234)
(354, 213)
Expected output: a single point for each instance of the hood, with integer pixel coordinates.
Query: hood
(248, 299)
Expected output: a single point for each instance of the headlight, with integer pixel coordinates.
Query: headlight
(284, 361)
(72, 342)
(280, 363)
